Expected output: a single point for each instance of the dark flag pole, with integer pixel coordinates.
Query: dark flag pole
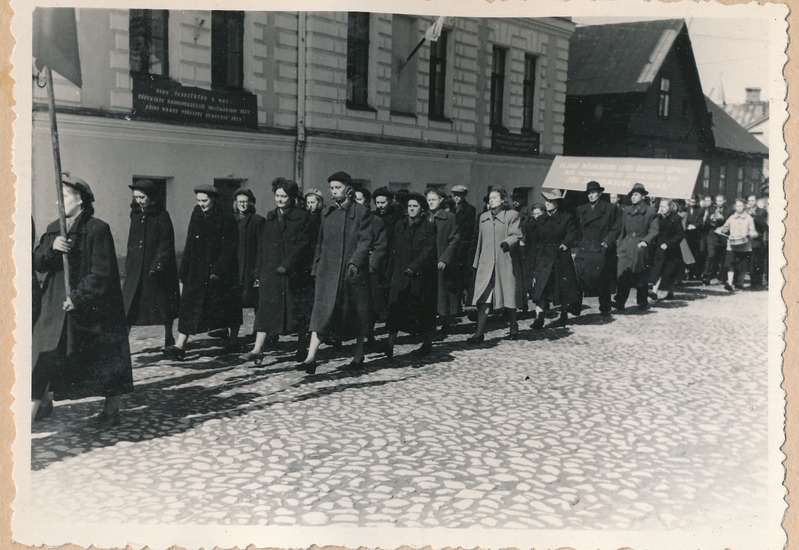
(55, 46)
(62, 218)
(430, 34)
(416, 49)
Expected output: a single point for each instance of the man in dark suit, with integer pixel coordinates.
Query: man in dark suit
(598, 227)
(466, 220)
(694, 219)
(716, 244)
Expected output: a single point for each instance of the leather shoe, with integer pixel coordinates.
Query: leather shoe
(423, 350)
(174, 352)
(45, 409)
(538, 323)
(254, 356)
(388, 350)
(476, 339)
(355, 364)
(219, 333)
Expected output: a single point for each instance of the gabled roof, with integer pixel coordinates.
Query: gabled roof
(619, 58)
(730, 135)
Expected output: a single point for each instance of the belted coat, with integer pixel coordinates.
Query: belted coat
(594, 263)
(342, 303)
(495, 266)
(150, 290)
(250, 226)
(83, 352)
(553, 271)
(211, 245)
(639, 224)
(284, 301)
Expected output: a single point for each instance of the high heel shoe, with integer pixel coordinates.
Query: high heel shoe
(388, 350)
(176, 353)
(513, 335)
(106, 420)
(310, 368)
(424, 350)
(355, 364)
(255, 356)
(476, 339)
(538, 323)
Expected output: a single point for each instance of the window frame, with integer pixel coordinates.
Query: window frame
(221, 58)
(664, 97)
(149, 42)
(528, 92)
(497, 101)
(358, 65)
(437, 86)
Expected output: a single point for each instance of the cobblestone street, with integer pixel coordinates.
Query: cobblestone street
(644, 421)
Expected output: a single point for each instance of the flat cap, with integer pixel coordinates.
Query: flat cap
(208, 189)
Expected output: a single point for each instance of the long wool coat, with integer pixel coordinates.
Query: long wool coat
(555, 278)
(638, 223)
(83, 352)
(342, 303)
(381, 262)
(448, 301)
(667, 263)
(285, 301)
(494, 266)
(211, 244)
(412, 300)
(466, 220)
(594, 263)
(250, 227)
(150, 291)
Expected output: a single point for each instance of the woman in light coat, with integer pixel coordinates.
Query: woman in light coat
(495, 280)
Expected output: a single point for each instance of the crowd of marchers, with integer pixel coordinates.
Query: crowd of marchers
(326, 267)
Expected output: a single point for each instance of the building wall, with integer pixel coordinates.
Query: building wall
(106, 143)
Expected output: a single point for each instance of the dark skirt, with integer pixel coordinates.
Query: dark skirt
(408, 315)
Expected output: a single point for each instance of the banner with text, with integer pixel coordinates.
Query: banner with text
(672, 178)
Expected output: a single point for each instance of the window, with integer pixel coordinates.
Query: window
(497, 86)
(404, 72)
(528, 92)
(227, 49)
(722, 179)
(358, 60)
(706, 177)
(148, 42)
(438, 74)
(664, 98)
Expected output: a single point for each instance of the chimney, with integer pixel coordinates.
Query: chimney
(753, 95)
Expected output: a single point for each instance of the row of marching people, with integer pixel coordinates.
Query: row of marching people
(328, 272)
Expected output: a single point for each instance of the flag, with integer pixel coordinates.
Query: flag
(432, 34)
(55, 42)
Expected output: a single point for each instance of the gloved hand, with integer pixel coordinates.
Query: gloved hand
(352, 270)
(280, 270)
(152, 273)
(504, 246)
(410, 272)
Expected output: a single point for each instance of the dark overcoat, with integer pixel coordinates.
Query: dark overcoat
(342, 303)
(211, 244)
(449, 300)
(150, 290)
(83, 352)
(713, 222)
(594, 263)
(553, 270)
(639, 223)
(381, 263)
(412, 300)
(666, 263)
(760, 217)
(495, 266)
(466, 220)
(250, 226)
(285, 301)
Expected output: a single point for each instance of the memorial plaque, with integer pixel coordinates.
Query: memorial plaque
(525, 144)
(165, 100)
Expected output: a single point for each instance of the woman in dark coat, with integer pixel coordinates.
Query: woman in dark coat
(150, 291)
(551, 237)
(496, 269)
(250, 226)
(412, 294)
(342, 301)
(80, 341)
(667, 263)
(211, 297)
(448, 300)
(284, 283)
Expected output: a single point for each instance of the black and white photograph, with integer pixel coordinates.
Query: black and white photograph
(399, 274)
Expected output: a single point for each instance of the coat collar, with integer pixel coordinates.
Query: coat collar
(348, 206)
(289, 213)
(487, 216)
(440, 214)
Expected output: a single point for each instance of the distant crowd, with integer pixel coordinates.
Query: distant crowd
(326, 267)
